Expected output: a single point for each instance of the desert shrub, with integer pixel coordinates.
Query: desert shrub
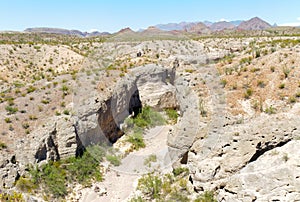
(25, 125)
(207, 196)
(272, 68)
(168, 187)
(7, 120)
(246, 60)
(44, 101)
(270, 110)
(248, 93)
(11, 110)
(203, 112)
(135, 126)
(30, 89)
(148, 118)
(285, 157)
(223, 82)
(66, 112)
(255, 69)
(281, 86)
(54, 176)
(137, 199)
(189, 70)
(151, 158)
(150, 185)
(12, 197)
(137, 140)
(180, 170)
(261, 84)
(114, 160)
(172, 114)
(2, 145)
(286, 71)
(292, 99)
(32, 117)
(25, 185)
(85, 168)
(257, 53)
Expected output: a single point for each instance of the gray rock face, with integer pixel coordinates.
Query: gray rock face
(9, 173)
(238, 150)
(183, 135)
(275, 176)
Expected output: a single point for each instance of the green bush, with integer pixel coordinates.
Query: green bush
(248, 93)
(163, 188)
(13, 197)
(172, 114)
(7, 120)
(113, 159)
(178, 197)
(25, 185)
(150, 185)
(65, 89)
(223, 82)
(281, 86)
(286, 71)
(149, 118)
(31, 89)
(270, 110)
(11, 110)
(2, 145)
(138, 199)
(85, 168)
(66, 112)
(151, 158)
(207, 196)
(292, 99)
(137, 140)
(44, 101)
(54, 176)
(180, 170)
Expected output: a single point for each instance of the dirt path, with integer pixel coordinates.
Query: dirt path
(120, 181)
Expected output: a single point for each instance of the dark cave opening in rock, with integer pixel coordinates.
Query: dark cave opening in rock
(111, 116)
(135, 104)
(184, 158)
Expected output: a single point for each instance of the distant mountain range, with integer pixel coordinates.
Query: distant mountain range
(252, 24)
(170, 28)
(65, 31)
(183, 25)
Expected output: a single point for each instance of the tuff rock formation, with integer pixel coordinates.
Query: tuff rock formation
(96, 120)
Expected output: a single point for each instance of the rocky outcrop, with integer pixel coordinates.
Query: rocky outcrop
(185, 131)
(95, 120)
(275, 176)
(243, 142)
(9, 172)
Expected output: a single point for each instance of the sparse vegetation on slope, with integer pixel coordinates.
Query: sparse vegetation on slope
(169, 187)
(53, 177)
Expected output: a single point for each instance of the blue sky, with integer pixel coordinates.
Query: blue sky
(112, 15)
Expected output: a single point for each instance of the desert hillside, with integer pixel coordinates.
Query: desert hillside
(190, 115)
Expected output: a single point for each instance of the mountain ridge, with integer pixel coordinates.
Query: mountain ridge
(65, 31)
(254, 23)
